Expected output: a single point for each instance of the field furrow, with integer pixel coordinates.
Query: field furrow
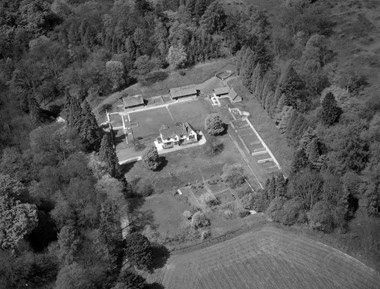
(268, 259)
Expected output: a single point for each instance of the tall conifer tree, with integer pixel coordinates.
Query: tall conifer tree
(330, 110)
(89, 130)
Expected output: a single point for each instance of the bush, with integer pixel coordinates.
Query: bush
(105, 107)
(228, 214)
(199, 220)
(275, 209)
(321, 217)
(243, 190)
(145, 189)
(247, 201)
(214, 180)
(293, 213)
(151, 159)
(243, 214)
(182, 72)
(233, 175)
(214, 124)
(153, 77)
(209, 200)
(205, 234)
(187, 215)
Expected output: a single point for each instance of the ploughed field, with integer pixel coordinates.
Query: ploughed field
(268, 258)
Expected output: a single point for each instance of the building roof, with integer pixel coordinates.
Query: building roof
(221, 90)
(133, 100)
(234, 96)
(182, 91)
(177, 129)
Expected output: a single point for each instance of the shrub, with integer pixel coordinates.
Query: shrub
(187, 215)
(205, 234)
(214, 180)
(214, 124)
(293, 212)
(151, 159)
(228, 214)
(321, 217)
(182, 72)
(145, 189)
(209, 200)
(275, 209)
(243, 214)
(247, 201)
(153, 77)
(105, 107)
(199, 220)
(233, 175)
(243, 190)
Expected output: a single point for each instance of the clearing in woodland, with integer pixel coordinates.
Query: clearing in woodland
(268, 258)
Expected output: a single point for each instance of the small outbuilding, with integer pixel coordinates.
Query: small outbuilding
(221, 92)
(234, 97)
(181, 92)
(133, 101)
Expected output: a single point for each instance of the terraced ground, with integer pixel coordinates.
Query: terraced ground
(268, 258)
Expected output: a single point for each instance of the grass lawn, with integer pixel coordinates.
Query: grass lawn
(149, 121)
(166, 213)
(193, 112)
(116, 120)
(185, 166)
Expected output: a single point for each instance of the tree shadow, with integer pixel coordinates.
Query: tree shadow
(135, 203)
(163, 163)
(154, 285)
(160, 256)
(141, 219)
(125, 168)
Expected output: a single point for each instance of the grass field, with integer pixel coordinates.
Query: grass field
(269, 258)
(149, 121)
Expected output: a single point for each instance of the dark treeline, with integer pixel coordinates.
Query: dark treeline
(326, 114)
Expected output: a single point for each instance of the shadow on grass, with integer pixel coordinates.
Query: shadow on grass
(163, 163)
(125, 168)
(154, 285)
(160, 256)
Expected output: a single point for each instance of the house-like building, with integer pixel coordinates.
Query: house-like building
(133, 101)
(226, 92)
(222, 92)
(234, 97)
(182, 92)
(177, 134)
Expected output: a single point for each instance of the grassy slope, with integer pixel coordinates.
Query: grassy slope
(269, 258)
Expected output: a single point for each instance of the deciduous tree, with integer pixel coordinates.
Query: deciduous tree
(214, 124)
(151, 159)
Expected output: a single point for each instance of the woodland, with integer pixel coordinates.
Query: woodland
(62, 192)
